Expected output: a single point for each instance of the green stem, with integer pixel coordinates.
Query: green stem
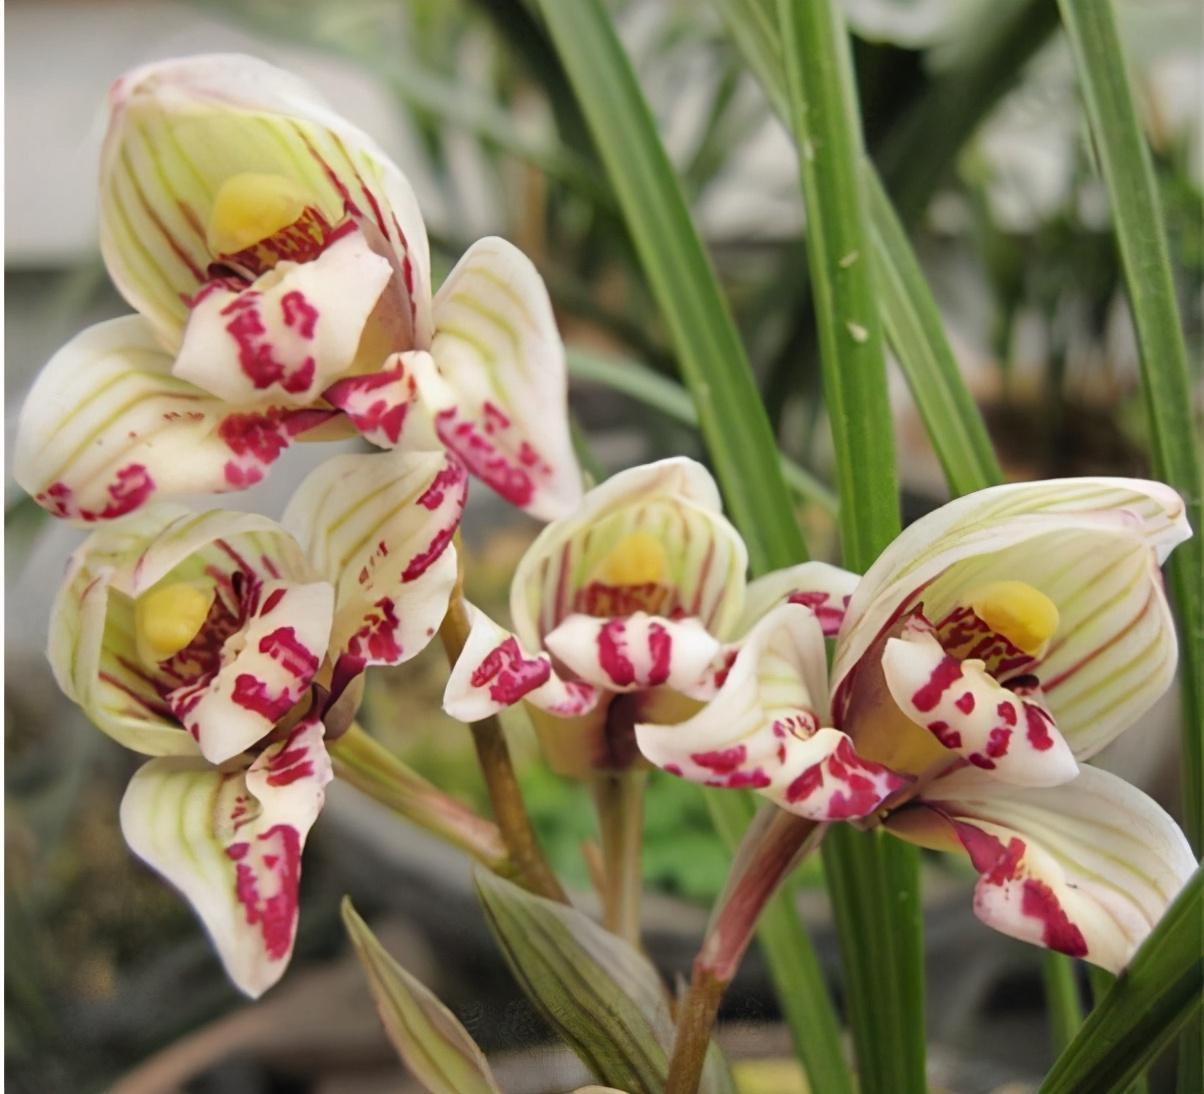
(874, 882)
(531, 869)
(372, 769)
(619, 799)
(1061, 998)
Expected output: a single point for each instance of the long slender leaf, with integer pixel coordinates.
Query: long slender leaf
(1061, 999)
(712, 359)
(874, 882)
(714, 365)
(1124, 160)
(671, 399)
(1149, 1003)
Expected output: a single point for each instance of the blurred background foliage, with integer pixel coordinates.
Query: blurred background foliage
(970, 110)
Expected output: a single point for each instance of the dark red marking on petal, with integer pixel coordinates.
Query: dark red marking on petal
(660, 646)
(965, 703)
(275, 915)
(485, 458)
(509, 675)
(1059, 932)
(131, 487)
(612, 653)
(806, 784)
(451, 478)
(723, 761)
(943, 677)
(1037, 724)
(950, 738)
(273, 600)
(830, 618)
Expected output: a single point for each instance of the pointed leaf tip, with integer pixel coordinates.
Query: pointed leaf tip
(430, 1040)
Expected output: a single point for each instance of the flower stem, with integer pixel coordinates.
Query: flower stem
(374, 770)
(531, 869)
(619, 799)
(774, 844)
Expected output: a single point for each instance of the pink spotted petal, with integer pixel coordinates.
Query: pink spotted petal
(497, 347)
(388, 407)
(380, 527)
(1086, 868)
(634, 652)
(764, 730)
(494, 672)
(286, 337)
(1006, 731)
(180, 128)
(266, 669)
(230, 840)
(824, 589)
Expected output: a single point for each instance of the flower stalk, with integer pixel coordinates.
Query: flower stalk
(373, 770)
(530, 867)
(775, 843)
(619, 800)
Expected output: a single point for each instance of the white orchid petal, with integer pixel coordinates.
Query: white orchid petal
(283, 339)
(266, 669)
(230, 840)
(765, 729)
(823, 588)
(497, 346)
(1086, 868)
(673, 505)
(635, 652)
(131, 431)
(494, 672)
(995, 522)
(181, 128)
(393, 407)
(380, 528)
(1007, 732)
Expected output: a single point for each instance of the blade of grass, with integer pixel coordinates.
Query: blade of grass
(714, 365)
(874, 882)
(1149, 1003)
(1125, 163)
(659, 392)
(712, 359)
(1061, 999)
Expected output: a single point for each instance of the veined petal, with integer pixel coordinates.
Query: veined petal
(285, 338)
(992, 520)
(1008, 732)
(132, 431)
(823, 588)
(634, 652)
(494, 672)
(266, 669)
(1086, 868)
(671, 511)
(497, 346)
(92, 648)
(230, 840)
(765, 729)
(181, 128)
(380, 528)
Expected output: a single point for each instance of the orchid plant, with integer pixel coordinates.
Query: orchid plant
(950, 695)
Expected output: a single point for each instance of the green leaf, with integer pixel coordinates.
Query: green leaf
(874, 882)
(671, 399)
(601, 995)
(1124, 161)
(1061, 998)
(430, 1040)
(683, 282)
(1149, 1003)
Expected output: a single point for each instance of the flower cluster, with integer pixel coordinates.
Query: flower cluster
(279, 271)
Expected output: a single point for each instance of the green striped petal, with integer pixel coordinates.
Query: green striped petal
(1092, 546)
(380, 528)
(230, 839)
(497, 347)
(1086, 868)
(132, 431)
(673, 506)
(179, 129)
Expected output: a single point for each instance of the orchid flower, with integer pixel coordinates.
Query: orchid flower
(223, 645)
(994, 645)
(279, 268)
(633, 610)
